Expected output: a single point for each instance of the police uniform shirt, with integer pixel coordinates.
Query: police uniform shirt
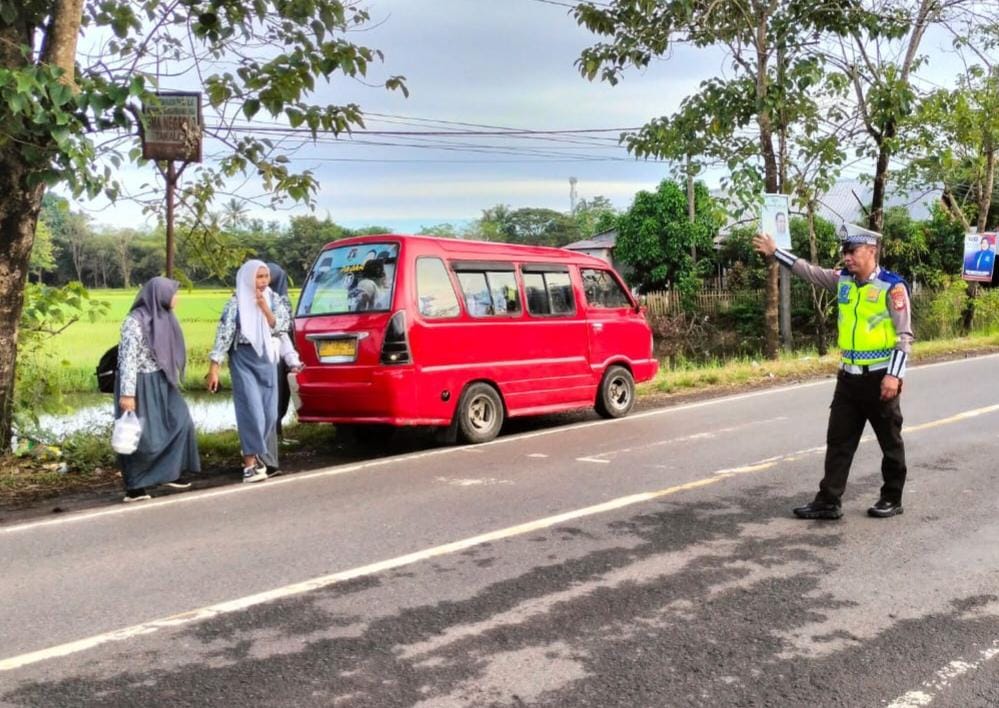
(897, 301)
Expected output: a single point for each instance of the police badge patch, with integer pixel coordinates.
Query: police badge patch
(898, 297)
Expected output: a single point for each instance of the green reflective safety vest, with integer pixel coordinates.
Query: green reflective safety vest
(866, 332)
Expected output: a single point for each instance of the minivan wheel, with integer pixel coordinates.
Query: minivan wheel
(616, 396)
(480, 413)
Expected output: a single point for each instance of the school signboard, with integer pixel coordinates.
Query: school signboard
(173, 127)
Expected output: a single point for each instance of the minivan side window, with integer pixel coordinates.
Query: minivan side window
(434, 291)
(602, 289)
(489, 292)
(548, 293)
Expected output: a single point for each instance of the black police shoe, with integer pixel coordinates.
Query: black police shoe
(818, 510)
(884, 508)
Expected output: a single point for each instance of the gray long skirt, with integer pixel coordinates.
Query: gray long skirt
(169, 443)
(255, 395)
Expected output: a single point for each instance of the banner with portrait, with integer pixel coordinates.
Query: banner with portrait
(775, 219)
(979, 257)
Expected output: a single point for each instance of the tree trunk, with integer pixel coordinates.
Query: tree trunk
(19, 211)
(953, 208)
(876, 219)
(20, 196)
(817, 294)
(765, 120)
(988, 183)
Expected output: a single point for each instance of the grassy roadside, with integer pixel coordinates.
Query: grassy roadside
(85, 461)
(794, 366)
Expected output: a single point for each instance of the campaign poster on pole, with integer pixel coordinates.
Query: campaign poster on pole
(979, 257)
(775, 217)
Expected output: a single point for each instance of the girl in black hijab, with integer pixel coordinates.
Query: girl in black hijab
(289, 360)
(151, 361)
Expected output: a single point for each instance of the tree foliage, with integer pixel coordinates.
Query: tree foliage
(74, 75)
(656, 237)
(594, 216)
(529, 225)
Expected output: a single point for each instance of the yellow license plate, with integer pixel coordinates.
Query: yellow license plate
(337, 348)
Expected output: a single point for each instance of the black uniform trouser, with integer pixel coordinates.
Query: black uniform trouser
(857, 401)
(284, 393)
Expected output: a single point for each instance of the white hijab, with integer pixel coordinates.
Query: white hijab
(252, 323)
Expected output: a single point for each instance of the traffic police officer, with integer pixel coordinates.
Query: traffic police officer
(875, 338)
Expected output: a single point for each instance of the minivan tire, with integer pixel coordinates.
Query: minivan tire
(480, 413)
(616, 396)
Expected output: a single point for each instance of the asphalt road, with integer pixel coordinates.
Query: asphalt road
(650, 561)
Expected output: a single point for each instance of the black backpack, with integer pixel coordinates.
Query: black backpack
(107, 367)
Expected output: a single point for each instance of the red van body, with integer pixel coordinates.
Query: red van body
(418, 330)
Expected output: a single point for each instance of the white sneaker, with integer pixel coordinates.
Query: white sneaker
(254, 474)
(134, 496)
(177, 485)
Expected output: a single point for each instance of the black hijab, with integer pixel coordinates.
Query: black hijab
(279, 279)
(160, 325)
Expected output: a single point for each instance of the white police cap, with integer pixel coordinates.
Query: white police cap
(857, 235)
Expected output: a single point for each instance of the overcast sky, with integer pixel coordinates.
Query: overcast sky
(507, 64)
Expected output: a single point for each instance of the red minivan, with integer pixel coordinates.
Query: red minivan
(418, 330)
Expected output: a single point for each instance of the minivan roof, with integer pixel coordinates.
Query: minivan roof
(473, 247)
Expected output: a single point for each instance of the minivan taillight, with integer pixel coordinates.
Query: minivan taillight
(395, 348)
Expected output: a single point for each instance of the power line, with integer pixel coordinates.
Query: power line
(510, 132)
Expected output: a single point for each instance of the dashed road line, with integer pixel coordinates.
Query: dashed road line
(925, 695)
(243, 603)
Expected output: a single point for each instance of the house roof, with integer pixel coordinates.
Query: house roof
(847, 202)
(848, 199)
(604, 239)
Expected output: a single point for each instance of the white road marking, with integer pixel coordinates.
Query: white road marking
(243, 603)
(537, 454)
(147, 507)
(943, 677)
(687, 438)
(472, 482)
(593, 459)
(194, 497)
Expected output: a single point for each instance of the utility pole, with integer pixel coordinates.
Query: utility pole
(172, 131)
(691, 205)
(572, 195)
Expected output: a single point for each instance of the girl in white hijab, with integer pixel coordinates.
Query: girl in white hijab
(250, 321)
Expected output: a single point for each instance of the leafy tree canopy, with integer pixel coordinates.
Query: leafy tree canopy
(657, 238)
(529, 225)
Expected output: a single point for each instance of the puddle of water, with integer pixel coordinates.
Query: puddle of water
(210, 413)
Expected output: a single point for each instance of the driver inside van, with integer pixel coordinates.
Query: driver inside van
(371, 286)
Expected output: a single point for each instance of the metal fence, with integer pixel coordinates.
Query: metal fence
(712, 301)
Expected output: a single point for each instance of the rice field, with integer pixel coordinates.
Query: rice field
(71, 356)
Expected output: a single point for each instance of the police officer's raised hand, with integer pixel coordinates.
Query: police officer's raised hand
(764, 244)
(891, 386)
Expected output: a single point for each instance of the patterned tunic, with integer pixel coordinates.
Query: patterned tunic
(227, 333)
(134, 356)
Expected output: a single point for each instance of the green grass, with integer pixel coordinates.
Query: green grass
(791, 366)
(69, 358)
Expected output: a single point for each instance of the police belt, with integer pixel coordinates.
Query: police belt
(860, 369)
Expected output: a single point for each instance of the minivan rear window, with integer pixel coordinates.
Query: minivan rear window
(549, 293)
(346, 279)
